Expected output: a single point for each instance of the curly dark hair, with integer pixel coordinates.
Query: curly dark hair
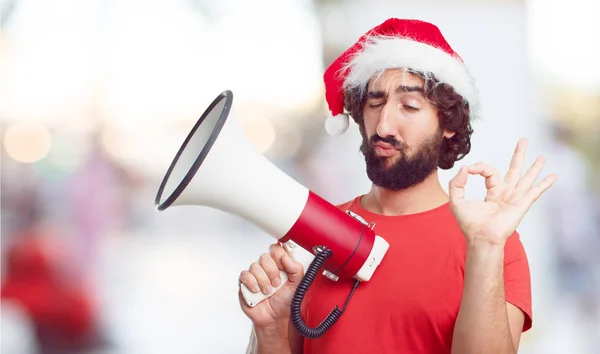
(453, 113)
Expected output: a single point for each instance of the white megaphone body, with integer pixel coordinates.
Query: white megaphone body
(218, 167)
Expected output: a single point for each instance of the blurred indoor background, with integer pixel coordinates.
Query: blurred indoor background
(97, 96)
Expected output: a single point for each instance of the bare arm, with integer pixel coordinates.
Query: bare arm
(283, 339)
(486, 323)
(269, 340)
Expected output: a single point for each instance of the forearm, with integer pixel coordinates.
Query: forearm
(267, 340)
(482, 324)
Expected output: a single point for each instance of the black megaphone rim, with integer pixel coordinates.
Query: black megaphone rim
(228, 96)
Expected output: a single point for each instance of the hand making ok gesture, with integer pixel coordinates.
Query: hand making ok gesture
(495, 219)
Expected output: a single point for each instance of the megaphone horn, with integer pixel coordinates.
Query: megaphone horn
(217, 167)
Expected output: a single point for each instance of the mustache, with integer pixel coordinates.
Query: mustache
(389, 140)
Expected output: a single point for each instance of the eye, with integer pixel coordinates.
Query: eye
(411, 108)
(375, 105)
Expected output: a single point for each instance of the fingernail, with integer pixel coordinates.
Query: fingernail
(256, 288)
(276, 281)
(268, 289)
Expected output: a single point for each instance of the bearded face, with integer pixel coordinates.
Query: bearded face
(405, 166)
(402, 135)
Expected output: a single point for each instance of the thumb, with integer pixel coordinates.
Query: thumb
(294, 269)
(457, 184)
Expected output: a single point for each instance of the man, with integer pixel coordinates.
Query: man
(456, 277)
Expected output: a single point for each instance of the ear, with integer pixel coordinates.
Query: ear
(448, 134)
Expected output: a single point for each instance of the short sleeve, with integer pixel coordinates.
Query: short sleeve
(517, 278)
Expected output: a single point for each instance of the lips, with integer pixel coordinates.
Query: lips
(384, 149)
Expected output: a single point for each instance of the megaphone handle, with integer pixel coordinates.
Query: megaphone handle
(252, 299)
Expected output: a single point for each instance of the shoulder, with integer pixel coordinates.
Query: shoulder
(347, 205)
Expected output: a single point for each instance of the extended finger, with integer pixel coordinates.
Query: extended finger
(516, 164)
(530, 176)
(492, 177)
(270, 267)
(261, 277)
(536, 191)
(249, 280)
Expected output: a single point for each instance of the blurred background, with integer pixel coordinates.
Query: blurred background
(97, 96)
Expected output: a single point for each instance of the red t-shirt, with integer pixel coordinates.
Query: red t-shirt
(411, 302)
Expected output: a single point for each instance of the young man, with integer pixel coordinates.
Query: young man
(456, 277)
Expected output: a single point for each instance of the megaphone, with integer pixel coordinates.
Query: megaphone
(218, 167)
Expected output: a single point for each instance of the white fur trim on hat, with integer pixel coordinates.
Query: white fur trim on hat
(337, 125)
(385, 52)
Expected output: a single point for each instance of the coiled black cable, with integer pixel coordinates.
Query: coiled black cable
(307, 280)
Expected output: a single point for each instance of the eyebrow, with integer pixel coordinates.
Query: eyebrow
(401, 88)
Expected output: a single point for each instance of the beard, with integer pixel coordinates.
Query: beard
(403, 170)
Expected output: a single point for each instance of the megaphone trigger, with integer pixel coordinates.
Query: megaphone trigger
(252, 299)
(296, 253)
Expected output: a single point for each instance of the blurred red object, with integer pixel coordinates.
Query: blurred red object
(37, 279)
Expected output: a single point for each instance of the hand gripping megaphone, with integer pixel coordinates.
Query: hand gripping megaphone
(218, 167)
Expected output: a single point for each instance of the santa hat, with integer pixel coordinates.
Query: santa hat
(409, 44)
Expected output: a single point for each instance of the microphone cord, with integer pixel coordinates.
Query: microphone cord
(307, 280)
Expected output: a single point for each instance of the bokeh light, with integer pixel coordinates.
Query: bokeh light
(123, 143)
(67, 154)
(260, 131)
(27, 142)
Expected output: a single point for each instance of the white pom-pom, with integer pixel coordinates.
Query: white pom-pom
(337, 125)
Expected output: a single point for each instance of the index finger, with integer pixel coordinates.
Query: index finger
(492, 178)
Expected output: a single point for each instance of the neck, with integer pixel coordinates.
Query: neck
(424, 196)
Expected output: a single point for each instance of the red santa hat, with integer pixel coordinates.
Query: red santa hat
(409, 44)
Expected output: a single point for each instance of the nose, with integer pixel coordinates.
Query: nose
(385, 126)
